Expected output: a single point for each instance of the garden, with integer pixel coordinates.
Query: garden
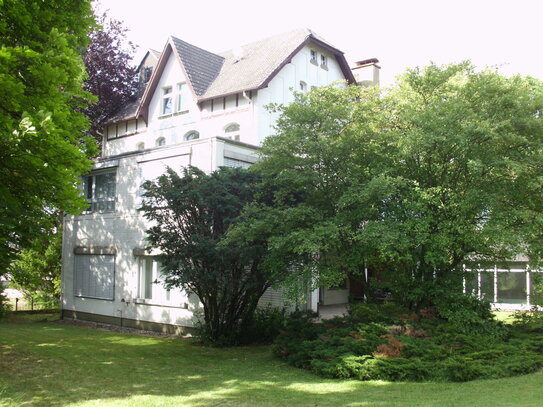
(44, 363)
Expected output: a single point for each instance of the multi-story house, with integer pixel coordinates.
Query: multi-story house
(195, 108)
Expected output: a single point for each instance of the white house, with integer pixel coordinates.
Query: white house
(196, 108)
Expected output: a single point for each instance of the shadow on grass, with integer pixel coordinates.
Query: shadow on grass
(46, 364)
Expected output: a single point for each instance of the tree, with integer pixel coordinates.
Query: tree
(192, 214)
(42, 146)
(36, 270)
(110, 76)
(446, 168)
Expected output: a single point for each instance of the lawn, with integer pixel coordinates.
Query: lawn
(48, 364)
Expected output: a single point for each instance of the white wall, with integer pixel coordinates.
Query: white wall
(281, 87)
(124, 228)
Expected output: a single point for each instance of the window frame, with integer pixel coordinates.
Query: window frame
(324, 61)
(190, 133)
(87, 279)
(182, 98)
(231, 132)
(90, 195)
(313, 56)
(153, 291)
(167, 100)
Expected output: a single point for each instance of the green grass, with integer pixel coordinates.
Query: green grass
(47, 364)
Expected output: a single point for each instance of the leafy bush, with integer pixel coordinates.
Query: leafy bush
(4, 305)
(263, 327)
(378, 343)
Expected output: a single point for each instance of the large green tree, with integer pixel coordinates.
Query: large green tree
(443, 169)
(191, 215)
(42, 146)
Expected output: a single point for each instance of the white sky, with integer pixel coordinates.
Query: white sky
(399, 33)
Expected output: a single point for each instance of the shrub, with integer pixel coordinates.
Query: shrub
(426, 349)
(4, 305)
(262, 328)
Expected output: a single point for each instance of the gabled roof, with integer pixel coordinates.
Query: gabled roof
(249, 67)
(261, 60)
(201, 66)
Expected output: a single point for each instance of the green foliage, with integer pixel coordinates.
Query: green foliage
(36, 270)
(399, 347)
(191, 215)
(4, 305)
(442, 168)
(42, 148)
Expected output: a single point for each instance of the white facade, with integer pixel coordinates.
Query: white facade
(105, 270)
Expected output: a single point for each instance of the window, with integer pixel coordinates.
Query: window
(182, 97)
(303, 86)
(167, 100)
(232, 162)
(192, 135)
(313, 56)
(151, 281)
(232, 131)
(94, 276)
(324, 61)
(99, 189)
(140, 146)
(161, 141)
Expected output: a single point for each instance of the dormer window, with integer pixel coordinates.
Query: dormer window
(232, 131)
(324, 61)
(313, 59)
(166, 100)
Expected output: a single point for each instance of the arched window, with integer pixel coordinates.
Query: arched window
(192, 135)
(140, 146)
(161, 141)
(231, 131)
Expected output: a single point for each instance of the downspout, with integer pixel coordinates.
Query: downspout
(255, 122)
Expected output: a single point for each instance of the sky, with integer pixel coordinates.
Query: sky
(401, 34)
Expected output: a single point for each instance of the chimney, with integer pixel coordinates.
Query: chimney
(366, 72)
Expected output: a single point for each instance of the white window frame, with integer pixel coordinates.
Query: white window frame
(232, 131)
(90, 193)
(324, 61)
(167, 101)
(150, 287)
(313, 56)
(189, 136)
(94, 276)
(182, 97)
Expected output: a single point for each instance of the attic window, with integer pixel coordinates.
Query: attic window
(166, 100)
(313, 59)
(182, 97)
(324, 61)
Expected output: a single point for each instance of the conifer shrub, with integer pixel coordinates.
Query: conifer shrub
(384, 342)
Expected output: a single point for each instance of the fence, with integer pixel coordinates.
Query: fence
(22, 304)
